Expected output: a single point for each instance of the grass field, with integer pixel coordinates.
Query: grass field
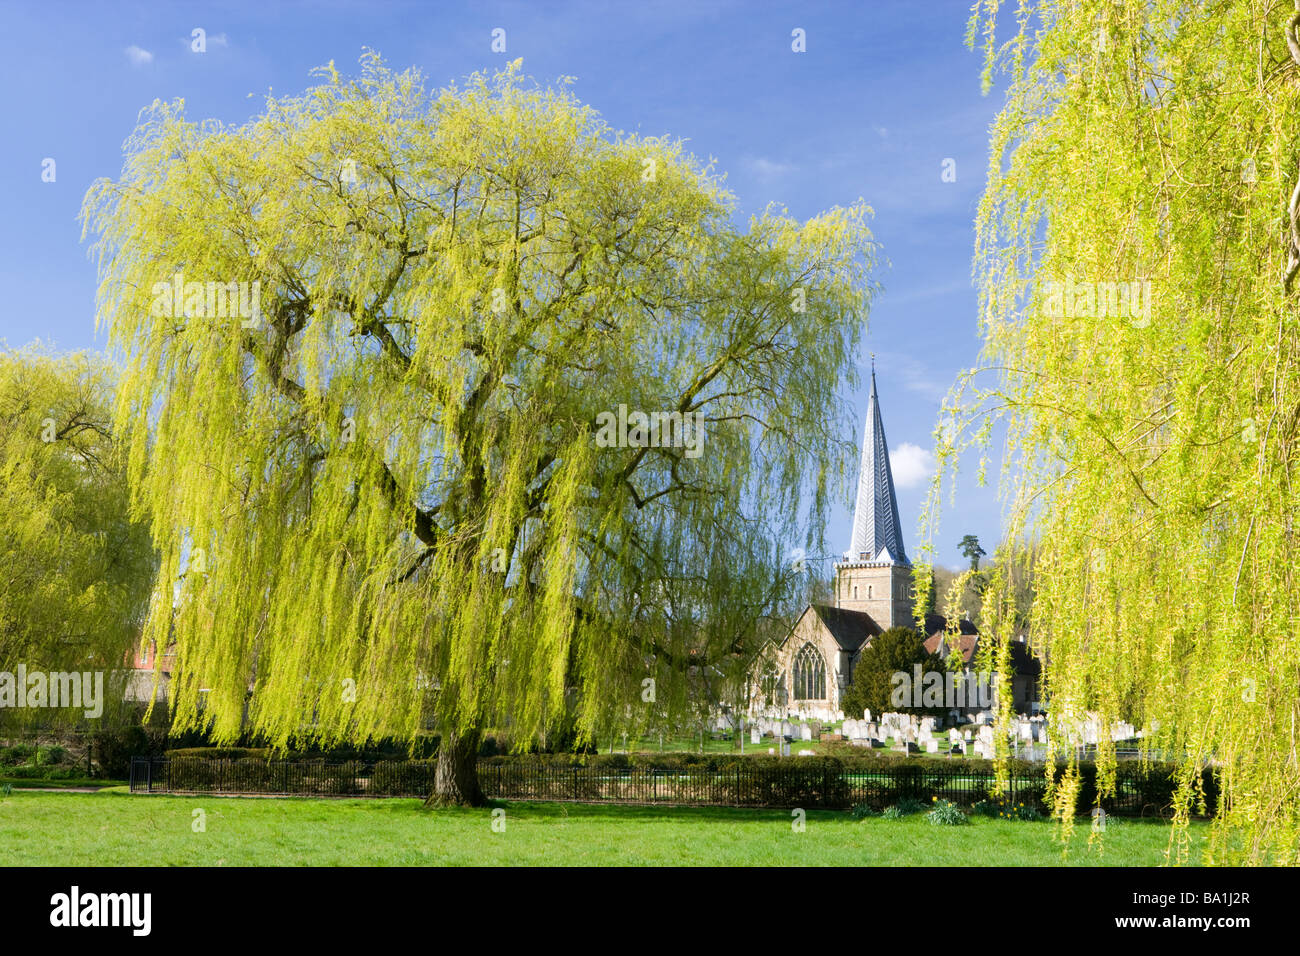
(118, 829)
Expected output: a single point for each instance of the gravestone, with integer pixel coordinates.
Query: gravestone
(755, 735)
(805, 732)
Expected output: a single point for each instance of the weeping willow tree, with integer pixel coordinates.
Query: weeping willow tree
(412, 479)
(1136, 251)
(75, 571)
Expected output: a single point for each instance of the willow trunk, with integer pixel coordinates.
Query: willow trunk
(455, 781)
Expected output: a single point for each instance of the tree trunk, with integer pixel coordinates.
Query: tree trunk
(455, 781)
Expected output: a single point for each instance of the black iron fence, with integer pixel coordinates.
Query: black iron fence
(763, 782)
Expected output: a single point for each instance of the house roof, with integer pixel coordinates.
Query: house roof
(1022, 662)
(968, 643)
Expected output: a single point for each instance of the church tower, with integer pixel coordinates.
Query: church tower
(875, 575)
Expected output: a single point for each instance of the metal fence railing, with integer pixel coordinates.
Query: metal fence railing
(798, 782)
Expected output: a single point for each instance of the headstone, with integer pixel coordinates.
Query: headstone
(754, 735)
(805, 732)
(932, 746)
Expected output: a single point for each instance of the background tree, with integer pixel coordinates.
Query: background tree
(897, 650)
(971, 550)
(75, 571)
(1137, 246)
(393, 477)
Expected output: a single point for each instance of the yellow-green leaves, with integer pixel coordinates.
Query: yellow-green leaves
(496, 275)
(75, 571)
(1143, 357)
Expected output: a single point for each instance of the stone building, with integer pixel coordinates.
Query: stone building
(808, 670)
(806, 673)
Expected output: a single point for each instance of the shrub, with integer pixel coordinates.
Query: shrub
(904, 808)
(17, 755)
(219, 753)
(946, 813)
(864, 810)
(413, 778)
(114, 748)
(1002, 808)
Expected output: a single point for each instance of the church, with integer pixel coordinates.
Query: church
(807, 672)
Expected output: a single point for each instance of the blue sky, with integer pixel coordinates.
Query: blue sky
(884, 94)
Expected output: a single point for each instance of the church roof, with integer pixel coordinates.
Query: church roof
(877, 530)
(849, 628)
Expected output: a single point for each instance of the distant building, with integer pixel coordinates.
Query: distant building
(146, 665)
(809, 669)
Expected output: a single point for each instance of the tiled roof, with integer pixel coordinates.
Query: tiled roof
(849, 628)
(877, 530)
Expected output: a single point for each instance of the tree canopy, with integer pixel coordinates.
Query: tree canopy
(75, 571)
(411, 465)
(1136, 250)
(872, 688)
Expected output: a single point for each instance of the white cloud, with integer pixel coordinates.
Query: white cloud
(218, 40)
(138, 56)
(767, 168)
(911, 465)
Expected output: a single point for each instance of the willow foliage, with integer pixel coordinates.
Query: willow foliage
(1133, 257)
(383, 503)
(75, 571)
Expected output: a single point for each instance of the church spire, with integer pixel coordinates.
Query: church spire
(876, 527)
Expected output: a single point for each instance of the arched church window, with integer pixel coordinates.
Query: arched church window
(809, 674)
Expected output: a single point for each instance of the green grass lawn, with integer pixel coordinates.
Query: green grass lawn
(118, 829)
(29, 783)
